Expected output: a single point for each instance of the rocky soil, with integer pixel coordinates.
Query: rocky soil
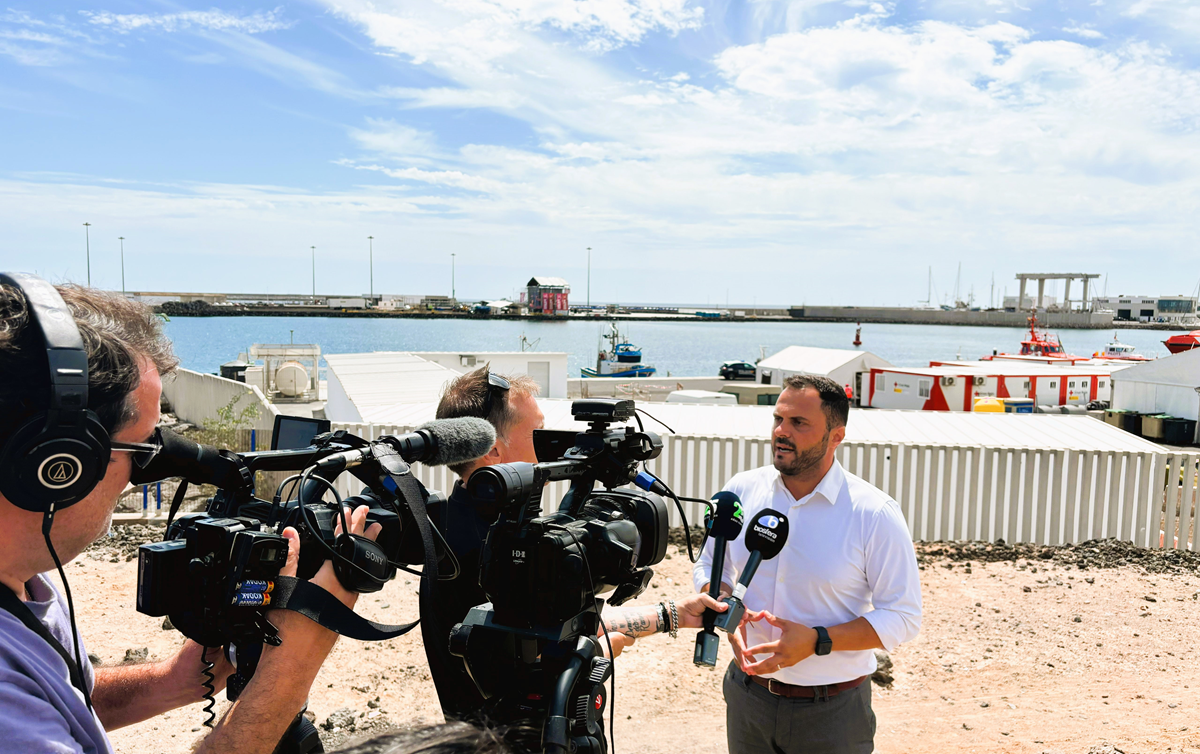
(1078, 649)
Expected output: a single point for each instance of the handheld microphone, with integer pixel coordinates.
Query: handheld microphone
(437, 443)
(724, 523)
(765, 538)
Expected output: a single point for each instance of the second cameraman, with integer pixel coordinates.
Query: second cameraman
(510, 405)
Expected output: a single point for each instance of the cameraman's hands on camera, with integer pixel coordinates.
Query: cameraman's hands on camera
(279, 688)
(128, 694)
(627, 624)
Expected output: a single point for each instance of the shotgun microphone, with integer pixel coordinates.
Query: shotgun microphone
(723, 523)
(765, 538)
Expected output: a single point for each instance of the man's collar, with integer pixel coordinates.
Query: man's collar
(829, 488)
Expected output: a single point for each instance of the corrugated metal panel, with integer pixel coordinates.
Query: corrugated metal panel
(378, 383)
(881, 426)
(817, 360)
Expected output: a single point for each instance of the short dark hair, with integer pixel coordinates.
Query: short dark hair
(448, 738)
(468, 396)
(834, 401)
(116, 332)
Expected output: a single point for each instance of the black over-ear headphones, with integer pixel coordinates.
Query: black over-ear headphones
(59, 455)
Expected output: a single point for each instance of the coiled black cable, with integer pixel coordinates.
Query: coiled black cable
(210, 688)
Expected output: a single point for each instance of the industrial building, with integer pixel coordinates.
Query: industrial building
(547, 296)
(1147, 308)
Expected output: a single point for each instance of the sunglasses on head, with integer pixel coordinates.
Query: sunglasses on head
(495, 383)
(141, 453)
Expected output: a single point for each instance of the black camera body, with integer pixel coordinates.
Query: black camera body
(214, 574)
(213, 577)
(533, 650)
(547, 570)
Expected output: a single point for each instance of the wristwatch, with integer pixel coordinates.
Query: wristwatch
(824, 643)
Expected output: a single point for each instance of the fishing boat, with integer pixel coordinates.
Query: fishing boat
(1181, 343)
(1118, 351)
(1040, 344)
(619, 359)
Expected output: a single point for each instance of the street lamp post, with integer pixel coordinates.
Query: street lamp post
(314, 272)
(87, 236)
(371, 252)
(122, 240)
(589, 284)
(453, 294)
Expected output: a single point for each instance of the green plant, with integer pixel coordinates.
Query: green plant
(225, 428)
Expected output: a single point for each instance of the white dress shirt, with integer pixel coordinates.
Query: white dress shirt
(848, 555)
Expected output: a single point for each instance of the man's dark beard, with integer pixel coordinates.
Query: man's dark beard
(805, 461)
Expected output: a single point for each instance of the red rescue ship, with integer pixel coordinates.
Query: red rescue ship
(1181, 343)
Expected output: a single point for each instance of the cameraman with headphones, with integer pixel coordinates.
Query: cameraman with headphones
(80, 381)
(509, 403)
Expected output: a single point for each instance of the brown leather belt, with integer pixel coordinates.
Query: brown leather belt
(779, 688)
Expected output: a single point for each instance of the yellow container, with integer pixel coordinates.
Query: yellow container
(988, 406)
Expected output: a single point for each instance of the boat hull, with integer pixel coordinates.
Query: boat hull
(1181, 343)
(635, 372)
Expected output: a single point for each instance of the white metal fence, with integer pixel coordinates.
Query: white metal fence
(951, 492)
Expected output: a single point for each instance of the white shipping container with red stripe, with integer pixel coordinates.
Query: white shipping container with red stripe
(954, 386)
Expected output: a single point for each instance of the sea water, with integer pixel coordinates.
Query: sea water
(680, 349)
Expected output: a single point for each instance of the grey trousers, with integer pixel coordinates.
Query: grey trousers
(758, 722)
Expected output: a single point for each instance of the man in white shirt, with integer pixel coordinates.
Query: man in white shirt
(845, 584)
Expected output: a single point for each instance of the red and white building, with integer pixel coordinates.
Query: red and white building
(954, 385)
(547, 295)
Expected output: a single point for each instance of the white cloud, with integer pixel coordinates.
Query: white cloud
(390, 139)
(448, 97)
(212, 20)
(1084, 31)
(31, 41)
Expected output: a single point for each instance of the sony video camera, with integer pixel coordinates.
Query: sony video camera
(533, 650)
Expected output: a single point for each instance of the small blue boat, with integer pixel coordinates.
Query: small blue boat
(621, 359)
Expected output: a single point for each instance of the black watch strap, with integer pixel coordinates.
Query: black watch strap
(824, 643)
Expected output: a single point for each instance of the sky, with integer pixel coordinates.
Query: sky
(811, 151)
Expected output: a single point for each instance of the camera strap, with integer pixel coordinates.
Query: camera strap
(318, 605)
(10, 602)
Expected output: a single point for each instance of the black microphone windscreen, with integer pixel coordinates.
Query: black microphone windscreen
(727, 519)
(459, 440)
(767, 533)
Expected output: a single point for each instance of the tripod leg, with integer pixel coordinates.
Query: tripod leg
(301, 737)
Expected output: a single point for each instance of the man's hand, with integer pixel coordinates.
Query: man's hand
(279, 687)
(619, 642)
(796, 643)
(184, 671)
(325, 577)
(691, 609)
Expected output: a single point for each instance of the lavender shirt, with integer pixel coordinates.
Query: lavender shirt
(40, 711)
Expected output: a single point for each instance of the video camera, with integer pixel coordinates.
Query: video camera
(213, 575)
(218, 572)
(533, 650)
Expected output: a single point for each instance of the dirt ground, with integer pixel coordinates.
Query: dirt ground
(1082, 649)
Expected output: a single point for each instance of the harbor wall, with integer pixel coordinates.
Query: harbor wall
(196, 397)
(992, 318)
(639, 388)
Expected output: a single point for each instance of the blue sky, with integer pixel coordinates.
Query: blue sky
(774, 152)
